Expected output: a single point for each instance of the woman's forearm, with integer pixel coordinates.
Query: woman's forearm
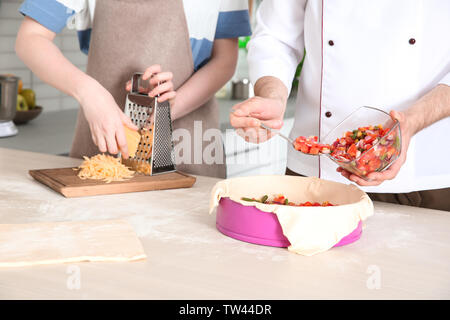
(208, 80)
(34, 45)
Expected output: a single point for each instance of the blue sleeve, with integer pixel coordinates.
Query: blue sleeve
(233, 24)
(49, 13)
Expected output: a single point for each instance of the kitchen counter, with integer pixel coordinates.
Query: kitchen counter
(404, 252)
(51, 132)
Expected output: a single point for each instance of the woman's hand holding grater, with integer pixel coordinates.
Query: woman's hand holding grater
(161, 85)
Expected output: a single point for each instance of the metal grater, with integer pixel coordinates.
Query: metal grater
(155, 153)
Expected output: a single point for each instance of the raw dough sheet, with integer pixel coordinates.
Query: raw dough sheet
(73, 241)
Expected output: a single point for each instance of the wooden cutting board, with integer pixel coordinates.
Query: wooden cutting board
(66, 182)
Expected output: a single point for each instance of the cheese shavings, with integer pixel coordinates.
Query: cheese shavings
(104, 167)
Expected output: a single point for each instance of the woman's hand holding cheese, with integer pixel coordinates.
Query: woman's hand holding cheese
(105, 118)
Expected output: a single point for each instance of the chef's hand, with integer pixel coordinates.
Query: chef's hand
(267, 106)
(160, 84)
(105, 118)
(247, 116)
(376, 178)
(430, 108)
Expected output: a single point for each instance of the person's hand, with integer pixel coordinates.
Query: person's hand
(376, 178)
(246, 117)
(106, 119)
(160, 84)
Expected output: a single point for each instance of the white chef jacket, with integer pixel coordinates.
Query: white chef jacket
(385, 54)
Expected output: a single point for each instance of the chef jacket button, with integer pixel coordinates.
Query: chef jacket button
(412, 41)
(331, 43)
(328, 114)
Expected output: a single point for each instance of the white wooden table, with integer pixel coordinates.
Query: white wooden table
(404, 252)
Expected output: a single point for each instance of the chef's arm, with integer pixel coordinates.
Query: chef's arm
(204, 83)
(432, 107)
(34, 45)
(274, 52)
(272, 88)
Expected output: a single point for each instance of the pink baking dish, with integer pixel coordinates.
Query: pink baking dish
(249, 224)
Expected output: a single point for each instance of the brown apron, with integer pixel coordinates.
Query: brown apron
(130, 35)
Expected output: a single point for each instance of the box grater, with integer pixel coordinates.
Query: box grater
(155, 153)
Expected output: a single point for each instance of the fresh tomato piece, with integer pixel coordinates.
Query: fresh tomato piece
(352, 150)
(280, 199)
(349, 140)
(304, 148)
(369, 138)
(374, 164)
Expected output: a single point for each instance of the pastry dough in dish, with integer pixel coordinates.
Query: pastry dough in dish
(310, 230)
(31, 244)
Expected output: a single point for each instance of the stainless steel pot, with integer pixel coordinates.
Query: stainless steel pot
(8, 97)
(8, 102)
(241, 89)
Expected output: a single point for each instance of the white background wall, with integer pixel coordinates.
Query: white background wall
(49, 98)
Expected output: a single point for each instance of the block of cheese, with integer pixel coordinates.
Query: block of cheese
(133, 138)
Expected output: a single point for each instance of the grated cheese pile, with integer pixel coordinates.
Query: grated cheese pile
(104, 167)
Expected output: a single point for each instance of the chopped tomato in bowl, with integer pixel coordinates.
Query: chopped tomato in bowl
(367, 148)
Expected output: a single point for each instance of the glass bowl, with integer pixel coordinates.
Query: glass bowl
(381, 155)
